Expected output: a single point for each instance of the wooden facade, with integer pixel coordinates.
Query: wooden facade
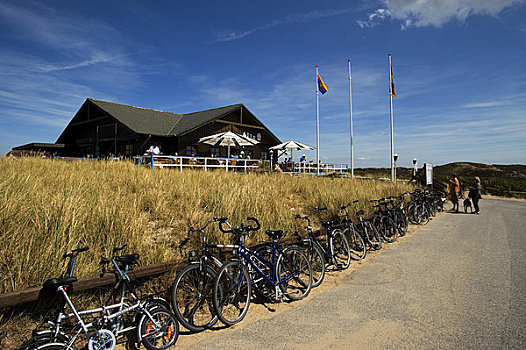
(102, 129)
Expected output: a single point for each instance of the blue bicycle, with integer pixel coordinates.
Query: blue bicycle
(276, 271)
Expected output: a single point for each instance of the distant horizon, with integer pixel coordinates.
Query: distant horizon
(458, 71)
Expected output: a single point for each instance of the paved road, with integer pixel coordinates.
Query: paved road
(458, 283)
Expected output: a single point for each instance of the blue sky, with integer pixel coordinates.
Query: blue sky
(459, 69)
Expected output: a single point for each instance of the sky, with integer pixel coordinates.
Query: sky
(458, 66)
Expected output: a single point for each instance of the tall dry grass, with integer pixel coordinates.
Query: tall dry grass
(48, 207)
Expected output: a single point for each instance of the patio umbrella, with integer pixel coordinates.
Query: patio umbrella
(228, 138)
(291, 146)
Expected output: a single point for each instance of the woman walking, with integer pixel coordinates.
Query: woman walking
(475, 193)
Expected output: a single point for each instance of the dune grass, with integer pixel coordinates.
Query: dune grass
(48, 207)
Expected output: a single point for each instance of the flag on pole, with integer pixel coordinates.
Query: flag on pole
(393, 93)
(321, 85)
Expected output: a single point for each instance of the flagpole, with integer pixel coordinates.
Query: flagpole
(391, 109)
(317, 124)
(350, 108)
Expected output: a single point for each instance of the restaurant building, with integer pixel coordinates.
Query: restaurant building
(102, 129)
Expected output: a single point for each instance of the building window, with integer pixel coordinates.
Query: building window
(191, 150)
(129, 150)
(264, 155)
(215, 151)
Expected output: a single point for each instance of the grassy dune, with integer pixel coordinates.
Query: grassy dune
(48, 207)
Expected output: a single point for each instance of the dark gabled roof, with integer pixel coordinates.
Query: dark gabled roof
(191, 121)
(154, 122)
(140, 120)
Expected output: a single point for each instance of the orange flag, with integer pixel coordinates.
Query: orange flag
(393, 93)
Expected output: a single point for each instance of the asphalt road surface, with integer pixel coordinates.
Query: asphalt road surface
(457, 283)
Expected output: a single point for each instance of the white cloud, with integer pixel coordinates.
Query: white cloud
(375, 18)
(422, 13)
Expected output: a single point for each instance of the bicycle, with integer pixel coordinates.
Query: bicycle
(397, 213)
(192, 289)
(365, 230)
(156, 326)
(54, 338)
(356, 240)
(290, 273)
(383, 222)
(371, 235)
(336, 251)
(417, 211)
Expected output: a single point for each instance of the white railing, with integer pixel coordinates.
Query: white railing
(312, 168)
(235, 164)
(205, 163)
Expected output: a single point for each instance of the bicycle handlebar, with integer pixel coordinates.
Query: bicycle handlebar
(350, 204)
(241, 228)
(75, 251)
(118, 249)
(298, 216)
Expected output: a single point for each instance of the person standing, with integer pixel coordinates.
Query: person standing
(454, 190)
(475, 193)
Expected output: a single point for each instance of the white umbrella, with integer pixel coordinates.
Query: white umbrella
(291, 146)
(228, 138)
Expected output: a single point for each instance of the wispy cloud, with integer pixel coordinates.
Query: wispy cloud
(422, 13)
(483, 104)
(96, 59)
(229, 34)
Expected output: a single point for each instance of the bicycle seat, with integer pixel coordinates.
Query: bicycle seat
(54, 283)
(360, 212)
(274, 234)
(127, 259)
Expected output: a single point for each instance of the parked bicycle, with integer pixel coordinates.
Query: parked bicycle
(54, 337)
(287, 272)
(192, 289)
(335, 250)
(156, 326)
(363, 235)
(383, 221)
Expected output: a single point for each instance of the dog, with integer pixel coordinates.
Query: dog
(467, 204)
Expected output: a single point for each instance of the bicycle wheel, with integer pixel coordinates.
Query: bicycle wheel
(401, 223)
(160, 331)
(356, 244)
(388, 229)
(102, 339)
(412, 213)
(317, 262)
(45, 337)
(260, 285)
(294, 269)
(232, 291)
(423, 216)
(432, 208)
(192, 297)
(340, 250)
(374, 235)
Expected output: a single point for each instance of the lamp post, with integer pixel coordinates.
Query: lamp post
(395, 158)
(415, 166)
